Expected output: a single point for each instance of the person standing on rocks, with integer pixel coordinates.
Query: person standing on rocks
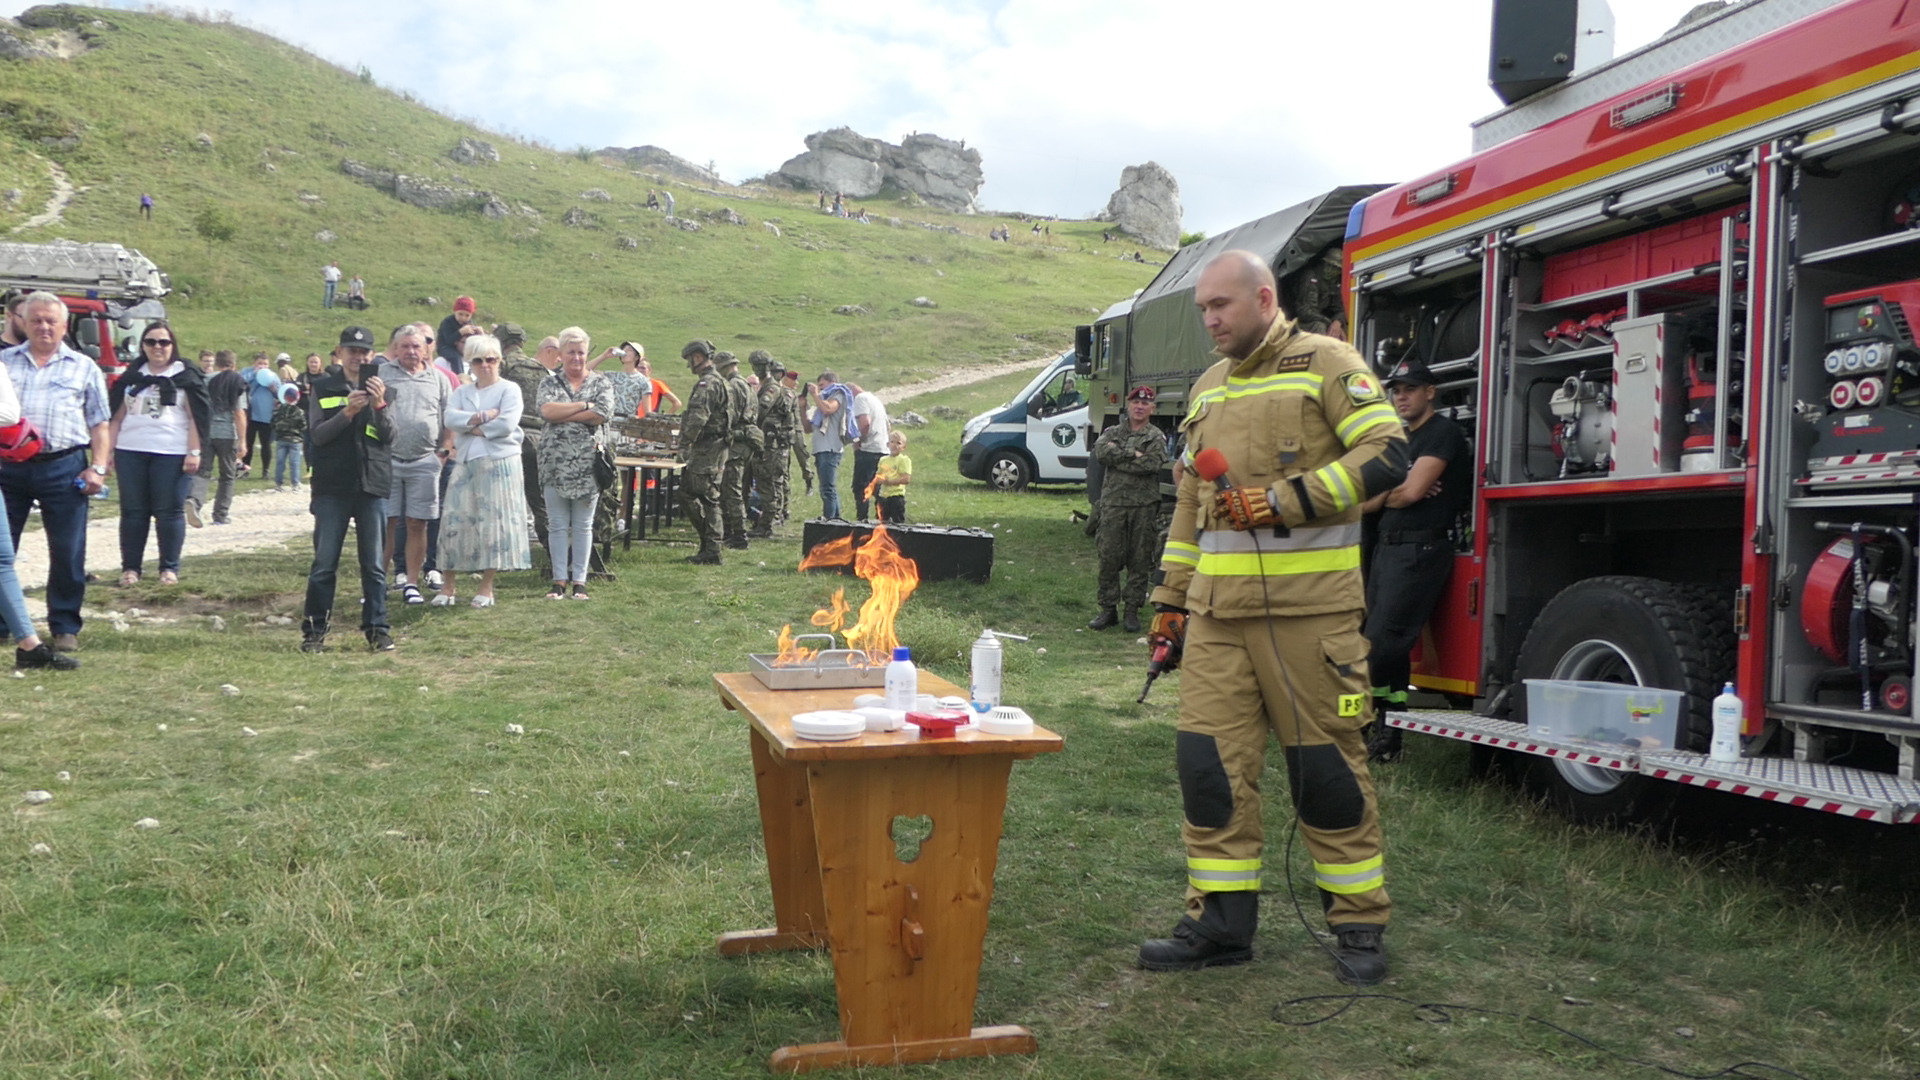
(330, 277)
(349, 430)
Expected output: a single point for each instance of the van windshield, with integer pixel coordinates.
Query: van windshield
(1046, 373)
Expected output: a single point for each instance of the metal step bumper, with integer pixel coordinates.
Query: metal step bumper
(1833, 789)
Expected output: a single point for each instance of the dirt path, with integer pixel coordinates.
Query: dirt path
(57, 205)
(268, 519)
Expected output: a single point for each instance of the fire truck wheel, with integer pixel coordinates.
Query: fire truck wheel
(1640, 632)
(1008, 471)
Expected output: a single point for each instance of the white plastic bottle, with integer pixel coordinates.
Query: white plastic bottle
(903, 682)
(983, 685)
(1728, 717)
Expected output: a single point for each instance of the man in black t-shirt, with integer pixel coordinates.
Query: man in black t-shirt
(1414, 552)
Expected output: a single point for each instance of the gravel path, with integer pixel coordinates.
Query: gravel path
(268, 519)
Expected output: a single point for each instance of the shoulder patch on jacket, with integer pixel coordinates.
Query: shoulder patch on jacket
(1296, 362)
(1362, 387)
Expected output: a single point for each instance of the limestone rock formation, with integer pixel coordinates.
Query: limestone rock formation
(424, 193)
(1147, 206)
(473, 152)
(654, 159)
(941, 171)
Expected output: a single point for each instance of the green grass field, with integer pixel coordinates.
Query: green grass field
(383, 882)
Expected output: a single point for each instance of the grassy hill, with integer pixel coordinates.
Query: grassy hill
(127, 114)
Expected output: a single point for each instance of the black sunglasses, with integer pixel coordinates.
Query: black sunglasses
(156, 341)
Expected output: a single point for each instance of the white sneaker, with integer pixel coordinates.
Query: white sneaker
(398, 582)
(434, 580)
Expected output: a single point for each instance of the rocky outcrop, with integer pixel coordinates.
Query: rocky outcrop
(654, 159)
(474, 152)
(1147, 206)
(424, 193)
(941, 171)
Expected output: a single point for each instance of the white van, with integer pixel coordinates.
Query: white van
(1040, 437)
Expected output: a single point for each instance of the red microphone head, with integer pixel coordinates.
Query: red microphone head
(1210, 463)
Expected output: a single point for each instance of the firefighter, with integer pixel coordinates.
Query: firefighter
(1261, 583)
(1414, 553)
(707, 430)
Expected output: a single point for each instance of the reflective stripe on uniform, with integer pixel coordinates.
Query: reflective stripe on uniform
(1301, 381)
(1181, 552)
(1365, 419)
(1280, 563)
(1224, 875)
(1233, 542)
(1350, 877)
(332, 402)
(1340, 486)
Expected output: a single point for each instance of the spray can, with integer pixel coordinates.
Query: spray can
(1728, 718)
(902, 681)
(983, 685)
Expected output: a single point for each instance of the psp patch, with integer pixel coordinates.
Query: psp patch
(1362, 387)
(1352, 704)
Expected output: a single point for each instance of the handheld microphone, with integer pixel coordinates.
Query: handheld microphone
(1211, 464)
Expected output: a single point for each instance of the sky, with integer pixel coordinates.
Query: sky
(1253, 106)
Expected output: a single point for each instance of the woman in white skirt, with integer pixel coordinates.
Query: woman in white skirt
(483, 521)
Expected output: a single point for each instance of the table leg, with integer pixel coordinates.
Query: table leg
(628, 478)
(793, 863)
(907, 937)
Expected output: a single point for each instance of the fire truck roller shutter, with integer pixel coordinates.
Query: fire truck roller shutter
(1636, 631)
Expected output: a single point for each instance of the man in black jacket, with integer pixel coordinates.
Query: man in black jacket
(352, 475)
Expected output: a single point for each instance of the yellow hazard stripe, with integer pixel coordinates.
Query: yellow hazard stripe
(1180, 552)
(1348, 878)
(332, 402)
(1363, 420)
(1340, 486)
(1301, 382)
(1224, 875)
(1280, 563)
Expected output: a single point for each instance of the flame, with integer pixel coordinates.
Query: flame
(893, 578)
(791, 653)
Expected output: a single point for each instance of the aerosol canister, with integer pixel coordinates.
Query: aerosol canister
(1728, 718)
(983, 685)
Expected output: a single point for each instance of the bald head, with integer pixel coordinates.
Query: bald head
(1238, 302)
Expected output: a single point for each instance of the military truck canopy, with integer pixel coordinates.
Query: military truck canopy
(1166, 331)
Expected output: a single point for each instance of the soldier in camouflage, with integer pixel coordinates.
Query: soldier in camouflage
(1316, 296)
(774, 412)
(802, 443)
(746, 442)
(1134, 452)
(525, 372)
(706, 429)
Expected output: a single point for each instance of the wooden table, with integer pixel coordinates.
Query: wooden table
(638, 503)
(907, 937)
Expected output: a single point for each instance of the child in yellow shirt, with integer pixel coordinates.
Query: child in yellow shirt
(893, 475)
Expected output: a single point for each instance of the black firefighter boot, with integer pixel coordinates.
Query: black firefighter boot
(1222, 936)
(1360, 955)
(1107, 617)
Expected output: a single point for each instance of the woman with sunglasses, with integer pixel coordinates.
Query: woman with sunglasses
(161, 413)
(483, 519)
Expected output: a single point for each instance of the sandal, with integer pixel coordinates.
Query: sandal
(412, 594)
(445, 599)
(558, 592)
(482, 600)
(580, 593)
(129, 577)
(168, 577)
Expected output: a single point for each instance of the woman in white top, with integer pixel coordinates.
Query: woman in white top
(28, 650)
(160, 407)
(483, 520)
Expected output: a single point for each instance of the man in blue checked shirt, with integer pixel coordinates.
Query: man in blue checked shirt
(64, 395)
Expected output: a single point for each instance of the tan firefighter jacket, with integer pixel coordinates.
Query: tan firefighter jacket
(1306, 419)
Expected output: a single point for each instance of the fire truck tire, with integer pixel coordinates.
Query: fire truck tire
(1007, 470)
(1637, 631)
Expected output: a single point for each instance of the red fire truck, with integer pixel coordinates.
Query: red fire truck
(112, 293)
(1674, 301)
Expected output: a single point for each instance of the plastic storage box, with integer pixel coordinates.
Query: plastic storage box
(1605, 714)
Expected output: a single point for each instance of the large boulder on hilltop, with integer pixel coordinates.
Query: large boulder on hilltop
(654, 159)
(1147, 206)
(940, 171)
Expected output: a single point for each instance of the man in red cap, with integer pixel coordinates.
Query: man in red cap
(1134, 454)
(454, 331)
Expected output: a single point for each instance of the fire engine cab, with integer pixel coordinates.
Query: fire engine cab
(1673, 302)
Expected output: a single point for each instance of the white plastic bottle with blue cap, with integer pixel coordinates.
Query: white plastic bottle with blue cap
(903, 682)
(1729, 716)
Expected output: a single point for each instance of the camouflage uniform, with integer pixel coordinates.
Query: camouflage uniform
(525, 372)
(706, 427)
(776, 416)
(1129, 511)
(1316, 294)
(733, 479)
